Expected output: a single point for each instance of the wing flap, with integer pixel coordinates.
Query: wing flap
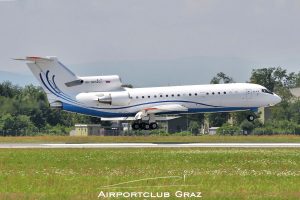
(160, 109)
(166, 108)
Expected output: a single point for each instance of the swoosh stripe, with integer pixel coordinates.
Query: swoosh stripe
(70, 100)
(57, 90)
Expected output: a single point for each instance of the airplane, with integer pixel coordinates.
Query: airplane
(105, 96)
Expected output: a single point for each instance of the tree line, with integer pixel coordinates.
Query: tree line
(25, 111)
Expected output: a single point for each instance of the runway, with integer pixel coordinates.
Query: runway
(146, 145)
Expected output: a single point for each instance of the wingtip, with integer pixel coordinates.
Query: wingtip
(19, 59)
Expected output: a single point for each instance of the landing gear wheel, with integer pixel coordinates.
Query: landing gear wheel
(135, 126)
(145, 126)
(153, 125)
(250, 118)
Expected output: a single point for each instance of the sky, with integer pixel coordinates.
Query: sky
(151, 42)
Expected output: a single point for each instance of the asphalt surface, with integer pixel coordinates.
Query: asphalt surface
(148, 145)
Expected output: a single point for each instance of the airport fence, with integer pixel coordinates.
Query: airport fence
(28, 133)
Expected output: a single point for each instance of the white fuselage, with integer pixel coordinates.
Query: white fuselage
(197, 98)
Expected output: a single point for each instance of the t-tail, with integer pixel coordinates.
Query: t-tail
(61, 85)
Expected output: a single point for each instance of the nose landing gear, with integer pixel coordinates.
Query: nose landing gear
(251, 118)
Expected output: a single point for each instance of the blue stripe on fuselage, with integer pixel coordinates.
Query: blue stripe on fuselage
(99, 113)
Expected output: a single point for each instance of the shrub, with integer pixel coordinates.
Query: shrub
(183, 133)
(247, 126)
(228, 129)
(263, 131)
(160, 132)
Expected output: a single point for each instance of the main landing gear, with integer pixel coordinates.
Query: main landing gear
(144, 125)
(144, 121)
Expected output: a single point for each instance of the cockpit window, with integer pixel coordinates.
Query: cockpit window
(266, 91)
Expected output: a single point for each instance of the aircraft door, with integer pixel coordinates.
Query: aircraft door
(248, 94)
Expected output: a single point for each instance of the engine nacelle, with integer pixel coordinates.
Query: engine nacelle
(115, 98)
(120, 98)
(89, 98)
(112, 98)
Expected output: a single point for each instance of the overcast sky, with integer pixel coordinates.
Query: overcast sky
(153, 42)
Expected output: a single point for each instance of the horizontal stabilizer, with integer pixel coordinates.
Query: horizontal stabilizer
(35, 58)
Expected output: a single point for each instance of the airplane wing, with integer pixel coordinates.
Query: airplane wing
(160, 109)
(165, 108)
(158, 118)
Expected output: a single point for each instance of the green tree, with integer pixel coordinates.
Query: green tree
(7, 89)
(221, 78)
(276, 80)
(228, 129)
(20, 123)
(247, 126)
(194, 127)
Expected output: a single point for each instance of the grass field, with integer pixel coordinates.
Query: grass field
(155, 139)
(217, 173)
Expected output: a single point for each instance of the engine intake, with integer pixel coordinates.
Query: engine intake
(121, 98)
(115, 98)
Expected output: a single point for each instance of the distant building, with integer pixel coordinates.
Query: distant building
(265, 114)
(95, 130)
(87, 129)
(176, 124)
(213, 130)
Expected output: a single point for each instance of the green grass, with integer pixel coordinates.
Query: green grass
(155, 139)
(217, 173)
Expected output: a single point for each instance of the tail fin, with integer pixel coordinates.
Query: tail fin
(53, 76)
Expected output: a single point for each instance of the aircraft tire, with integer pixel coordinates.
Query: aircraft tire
(153, 125)
(250, 118)
(145, 126)
(135, 126)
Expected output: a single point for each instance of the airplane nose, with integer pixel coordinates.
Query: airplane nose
(277, 99)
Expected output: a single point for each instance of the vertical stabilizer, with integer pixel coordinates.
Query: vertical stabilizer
(52, 76)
